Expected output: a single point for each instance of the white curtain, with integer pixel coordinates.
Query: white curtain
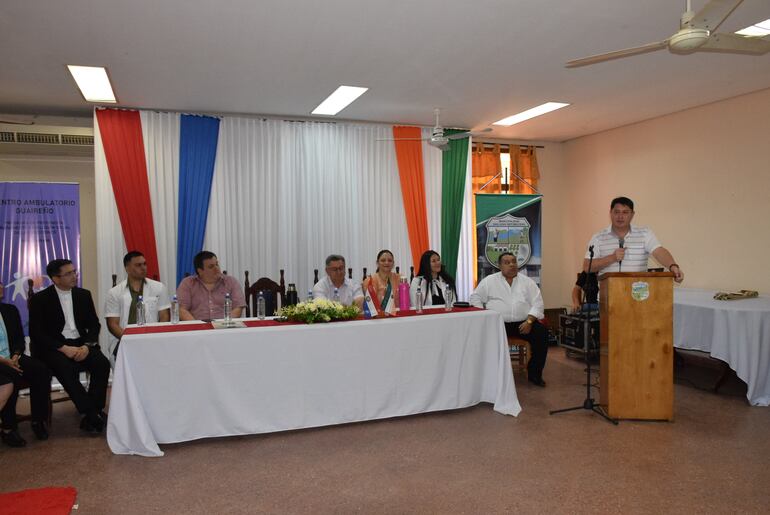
(284, 196)
(465, 255)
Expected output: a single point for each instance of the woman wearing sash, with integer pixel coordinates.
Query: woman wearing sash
(384, 282)
(432, 280)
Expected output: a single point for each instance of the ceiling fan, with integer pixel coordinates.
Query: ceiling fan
(696, 34)
(437, 138)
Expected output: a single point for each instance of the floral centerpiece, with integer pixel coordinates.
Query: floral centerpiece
(318, 310)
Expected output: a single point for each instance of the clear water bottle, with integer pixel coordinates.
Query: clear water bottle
(228, 309)
(336, 297)
(418, 300)
(449, 299)
(174, 310)
(141, 318)
(309, 295)
(261, 306)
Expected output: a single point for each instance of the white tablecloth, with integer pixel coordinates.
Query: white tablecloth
(180, 386)
(734, 331)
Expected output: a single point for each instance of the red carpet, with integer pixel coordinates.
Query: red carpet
(42, 501)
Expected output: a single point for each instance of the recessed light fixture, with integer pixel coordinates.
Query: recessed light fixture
(339, 100)
(530, 113)
(760, 29)
(94, 83)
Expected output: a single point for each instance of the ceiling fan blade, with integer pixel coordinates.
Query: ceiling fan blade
(713, 14)
(482, 131)
(736, 44)
(402, 139)
(11, 119)
(650, 47)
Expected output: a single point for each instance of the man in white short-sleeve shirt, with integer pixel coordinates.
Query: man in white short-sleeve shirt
(349, 291)
(519, 300)
(623, 247)
(120, 306)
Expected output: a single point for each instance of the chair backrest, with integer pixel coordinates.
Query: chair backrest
(364, 276)
(30, 293)
(114, 280)
(274, 293)
(350, 273)
(411, 274)
(315, 276)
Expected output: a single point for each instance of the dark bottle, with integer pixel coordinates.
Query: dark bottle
(291, 295)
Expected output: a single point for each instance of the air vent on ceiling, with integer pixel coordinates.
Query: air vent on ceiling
(37, 137)
(76, 139)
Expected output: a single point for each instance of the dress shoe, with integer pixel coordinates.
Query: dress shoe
(537, 381)
(41, 430)
(12, 438)
(92, 424)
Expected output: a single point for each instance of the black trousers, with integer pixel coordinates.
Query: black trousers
(67, 371)
(39, 378)
(538, 341)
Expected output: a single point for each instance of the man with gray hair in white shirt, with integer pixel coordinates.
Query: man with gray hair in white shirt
(348, 292)
(519, 300)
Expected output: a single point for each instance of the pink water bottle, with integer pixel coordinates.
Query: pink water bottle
(403, 294)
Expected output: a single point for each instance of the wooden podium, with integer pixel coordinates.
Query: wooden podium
(637, 345)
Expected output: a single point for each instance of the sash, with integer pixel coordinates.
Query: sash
(387, 299)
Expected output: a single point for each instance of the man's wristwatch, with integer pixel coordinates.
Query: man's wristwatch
(528, 321)
(672, 265)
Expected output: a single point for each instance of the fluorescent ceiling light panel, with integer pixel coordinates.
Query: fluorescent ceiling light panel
(94, 83)
(530, 113)
(339, 100)
(760, 29)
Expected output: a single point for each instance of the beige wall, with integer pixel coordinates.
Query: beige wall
(63, 169)
(699, 178)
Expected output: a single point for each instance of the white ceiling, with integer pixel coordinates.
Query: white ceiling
(478, 60)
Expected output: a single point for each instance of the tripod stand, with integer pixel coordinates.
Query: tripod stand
(589, 402)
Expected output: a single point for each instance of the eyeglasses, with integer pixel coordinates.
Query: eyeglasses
(68, 274)
(336, 268)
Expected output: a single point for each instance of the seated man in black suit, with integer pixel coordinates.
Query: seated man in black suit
(64, 334)
(14, 366)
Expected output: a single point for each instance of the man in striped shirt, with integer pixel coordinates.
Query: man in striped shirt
(623, 247)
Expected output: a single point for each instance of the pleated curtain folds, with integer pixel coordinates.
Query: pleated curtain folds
(198, 139)
(410, 171)
(454, 168)
(121, 135)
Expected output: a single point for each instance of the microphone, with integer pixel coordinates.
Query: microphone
(621, 243)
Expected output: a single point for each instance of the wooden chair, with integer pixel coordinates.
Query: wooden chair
(273, 292)
(315, 276)
(520, 352)
(350, 273)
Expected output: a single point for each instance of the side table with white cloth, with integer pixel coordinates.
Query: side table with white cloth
(184, 385)
(734, 331)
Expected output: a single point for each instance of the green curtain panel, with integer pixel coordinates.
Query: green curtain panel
(453, 169)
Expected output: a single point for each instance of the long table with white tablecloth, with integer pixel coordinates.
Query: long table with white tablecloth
(734, 331)
(184, 385)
